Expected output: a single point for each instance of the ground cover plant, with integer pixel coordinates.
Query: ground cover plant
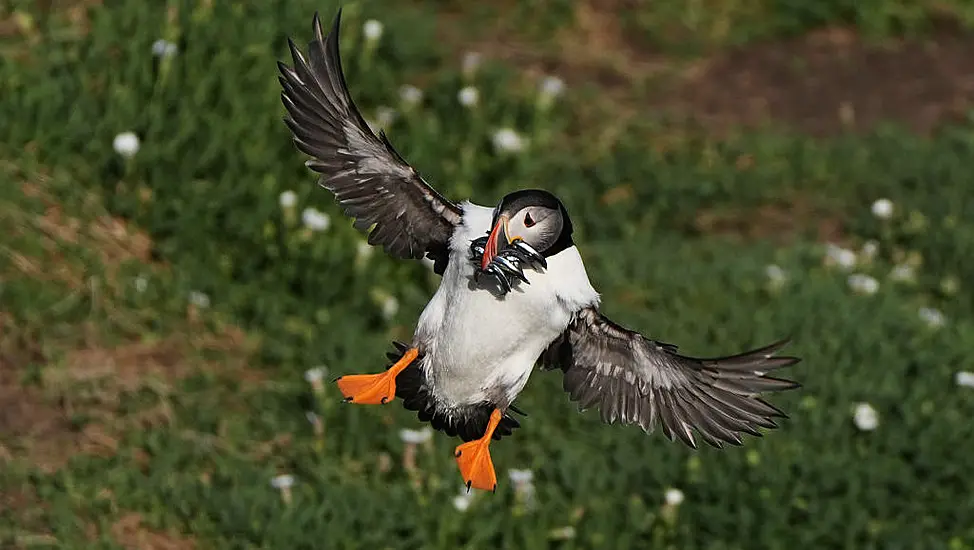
(176, 293)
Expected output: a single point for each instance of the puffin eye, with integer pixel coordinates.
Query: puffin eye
(528, 221)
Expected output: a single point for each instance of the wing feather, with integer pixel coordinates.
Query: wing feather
(635, 380)
(372, 183)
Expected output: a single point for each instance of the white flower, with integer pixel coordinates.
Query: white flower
(316, 374)
(883, 209)
(164, 48)
(364, 250)
(141, 284)
(865, 417)
(551, 87)
(869, 249)
(470, 64)
(776, 275)
(562, 533)
(410, 95)
(372, 30)
(508, 141)
(863, 284)
(673, 496)
(315, 220)
(965, 379)
(520, 477)
(932, 317)
(385, 116)
(390, 306)
(284, 481)
(415, 437)
(468, 96)
(842, 257)
(126, 144)
(288, 199)
(902, 273)
(462, 501)
(199, 299)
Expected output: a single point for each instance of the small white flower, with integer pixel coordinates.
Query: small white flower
(283, 481)
(869, 250)
(462, 501)
(470, 64)
(410, 95)
(364, 250)
(776, 275)
(468, 96)
(508, 141)
(562, 533)
(316, 374)
(385, 116)
(315, 220)
(164, 48)
(415, 437)
(372, 30)
(126, 144)
(932, 317)
(520, 477)
(839, 256)
(865, 417)
(390, 306)
(863, 284)
(883, 209)
(673, 496)
(141, 284)
(199, 299)
(964, 379)
(551, 87)
(902, 273)
(288, 199)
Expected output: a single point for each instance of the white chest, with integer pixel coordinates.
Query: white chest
(479, 346)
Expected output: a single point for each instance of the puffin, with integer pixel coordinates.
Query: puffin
(513, 294)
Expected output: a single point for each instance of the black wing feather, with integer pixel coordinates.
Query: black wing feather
(371, 181)
(635, 380)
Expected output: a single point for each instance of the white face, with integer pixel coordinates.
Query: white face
(538, 226)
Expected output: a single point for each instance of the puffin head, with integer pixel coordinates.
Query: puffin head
(533, 216)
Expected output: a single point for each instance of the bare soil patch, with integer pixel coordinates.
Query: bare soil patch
(129, 532)
(73, 407)
(832, 81)
(826, 82)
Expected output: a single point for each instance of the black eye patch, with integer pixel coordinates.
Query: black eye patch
(528, 221)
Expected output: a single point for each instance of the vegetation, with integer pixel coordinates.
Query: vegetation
(162, 299)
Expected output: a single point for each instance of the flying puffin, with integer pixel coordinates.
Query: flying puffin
(514, 292)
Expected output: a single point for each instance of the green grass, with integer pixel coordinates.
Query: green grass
(199, 439)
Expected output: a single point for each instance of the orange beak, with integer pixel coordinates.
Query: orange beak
(498, 238)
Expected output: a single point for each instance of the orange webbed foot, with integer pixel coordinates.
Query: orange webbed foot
(473, 458)
(375, 389)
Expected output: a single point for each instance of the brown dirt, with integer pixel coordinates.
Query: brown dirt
(779, 222)
(824, 83)
(73, 408)
(831, 81)
(129, 532)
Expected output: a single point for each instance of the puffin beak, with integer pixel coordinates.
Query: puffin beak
(495, 242)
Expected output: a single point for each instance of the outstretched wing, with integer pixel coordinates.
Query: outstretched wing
(371, 182)
(635, 380)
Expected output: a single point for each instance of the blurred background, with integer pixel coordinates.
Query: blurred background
(176, 293)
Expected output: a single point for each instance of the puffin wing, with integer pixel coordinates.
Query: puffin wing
(635, 380)
(371, 181)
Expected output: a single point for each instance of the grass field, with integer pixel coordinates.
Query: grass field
(160, 312)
